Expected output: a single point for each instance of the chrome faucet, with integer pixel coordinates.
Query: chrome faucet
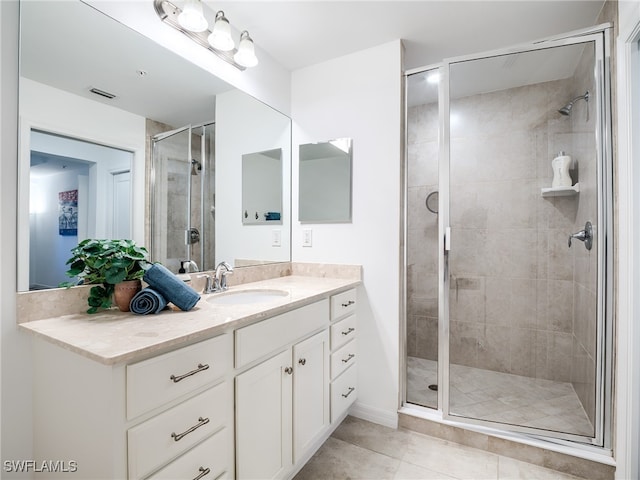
(220, 277)
(218, 281)
(187, 264)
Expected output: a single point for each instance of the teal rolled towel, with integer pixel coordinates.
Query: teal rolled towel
(147, 301)
(171, 287)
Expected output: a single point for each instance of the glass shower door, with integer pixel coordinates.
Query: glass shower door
(183, 205)
(422, 238)
(525, 322)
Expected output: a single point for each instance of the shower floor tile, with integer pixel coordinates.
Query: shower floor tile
(500, 397)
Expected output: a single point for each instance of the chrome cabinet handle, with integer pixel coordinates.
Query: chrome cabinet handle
(203, 473)
(349, 303)
(347, 332)
(302, 361)
(179, 436)
(289, 370)
(585, 236)
(351, 355)
(201, 368)
(351, 389)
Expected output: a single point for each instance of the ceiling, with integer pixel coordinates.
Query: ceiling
(84, 48)
(302, 33)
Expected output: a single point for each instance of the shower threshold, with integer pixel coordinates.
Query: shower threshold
(500, 397)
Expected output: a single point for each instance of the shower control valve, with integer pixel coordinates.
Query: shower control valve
(585, 236)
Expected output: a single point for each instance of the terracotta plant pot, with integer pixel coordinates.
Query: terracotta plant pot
(123, 293)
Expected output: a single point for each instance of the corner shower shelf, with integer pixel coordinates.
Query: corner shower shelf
(560, 191)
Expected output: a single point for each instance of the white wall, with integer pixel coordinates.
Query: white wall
(244, 125)
(627, 421)
(359, 96)
(15, 347)
(55, 111)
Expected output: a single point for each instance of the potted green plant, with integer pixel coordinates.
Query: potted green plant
(110, 263)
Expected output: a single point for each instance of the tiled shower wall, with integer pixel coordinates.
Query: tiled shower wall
(173, 171)
(521, 301)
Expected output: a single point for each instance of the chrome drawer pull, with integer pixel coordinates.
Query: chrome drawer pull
(348, 304)
(351, 389)
(351, 355)
(179, 436)
(203, 473)
(302, 361)
(347, 332)
(201, 368)
(288, 370)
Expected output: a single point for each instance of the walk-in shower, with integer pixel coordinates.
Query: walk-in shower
(182, 189)
(504, 315)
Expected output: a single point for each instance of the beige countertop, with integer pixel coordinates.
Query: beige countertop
(115, 337)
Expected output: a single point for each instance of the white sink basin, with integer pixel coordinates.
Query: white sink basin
(243, 297)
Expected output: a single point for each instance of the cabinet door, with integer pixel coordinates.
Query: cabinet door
(263, 418)
(310, 391)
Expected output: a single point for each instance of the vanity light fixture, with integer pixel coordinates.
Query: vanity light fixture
(220, 37)
(191, 22)
(246, 55)
(192, 17)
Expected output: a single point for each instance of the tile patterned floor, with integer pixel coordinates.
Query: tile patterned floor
(360, 450)
(501, 397)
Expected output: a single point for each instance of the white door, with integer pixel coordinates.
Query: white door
(122, 205)
(263, 419)
(310, 391)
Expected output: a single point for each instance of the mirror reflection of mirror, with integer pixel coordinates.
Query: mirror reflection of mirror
(325, 182)
(84, 50)
(262, 187)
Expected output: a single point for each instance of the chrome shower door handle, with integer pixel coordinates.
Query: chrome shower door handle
(585, 236)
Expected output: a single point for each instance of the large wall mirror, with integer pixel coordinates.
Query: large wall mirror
(69, 69)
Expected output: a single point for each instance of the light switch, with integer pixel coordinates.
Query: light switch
(307, 237)
(276, 238)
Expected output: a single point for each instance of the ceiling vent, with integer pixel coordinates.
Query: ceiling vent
(102, 93)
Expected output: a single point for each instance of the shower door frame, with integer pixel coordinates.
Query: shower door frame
(152, 181)
(600, 36)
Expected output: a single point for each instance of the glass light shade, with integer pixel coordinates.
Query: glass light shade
(220, 37)
(246, 55)
(192, 18)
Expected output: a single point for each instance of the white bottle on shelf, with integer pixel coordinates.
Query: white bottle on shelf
(560, 166)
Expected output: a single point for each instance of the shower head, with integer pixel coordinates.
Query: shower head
(196, 167)
(566, 110)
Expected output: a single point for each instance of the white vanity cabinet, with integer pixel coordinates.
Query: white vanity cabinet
(344, 374)
(169, 416)
(282, 398)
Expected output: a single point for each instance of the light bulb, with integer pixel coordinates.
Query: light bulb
(192, 17)
(220, 37)
(246, 55)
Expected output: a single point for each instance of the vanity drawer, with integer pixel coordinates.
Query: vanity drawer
(154, 382)
(343, 304)
(260, 339)
(208, 459)
(343, 359)
(166, 436)
(343, 392)
(343, 331)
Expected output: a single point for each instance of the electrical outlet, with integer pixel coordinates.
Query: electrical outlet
(307, 237)
(276, 238)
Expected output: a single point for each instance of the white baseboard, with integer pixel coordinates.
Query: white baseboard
(376, 415)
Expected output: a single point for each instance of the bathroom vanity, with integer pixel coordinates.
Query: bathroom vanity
(227, 390)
